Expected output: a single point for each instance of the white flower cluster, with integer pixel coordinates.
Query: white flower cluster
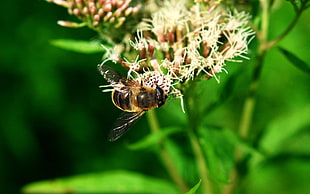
(179, 44)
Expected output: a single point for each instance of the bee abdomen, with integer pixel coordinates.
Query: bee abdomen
(122, 100)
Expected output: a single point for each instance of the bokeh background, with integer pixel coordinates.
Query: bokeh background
(54, 120)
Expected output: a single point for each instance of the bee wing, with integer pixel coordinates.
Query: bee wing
(123, 123)
(110, 74)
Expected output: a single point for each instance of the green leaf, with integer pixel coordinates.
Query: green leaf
(218, 145)
(195, 188)
(287, 157)
(287, 175)
(233, 139)
(154, 138)
(283, 128)
(256, 155)
(300, 64)
(106, 182)
(299, 142)
(182, 159)
(218, 152)
(80, 46)
(183, 162)
(279, 134)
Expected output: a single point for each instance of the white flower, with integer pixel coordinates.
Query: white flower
(156, 79)
(140, 42)
(180, 44)
(113, 54)
(172, 16)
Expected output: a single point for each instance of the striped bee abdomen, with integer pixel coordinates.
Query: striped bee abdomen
(121, 99)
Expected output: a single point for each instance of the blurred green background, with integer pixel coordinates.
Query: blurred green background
(54, 120)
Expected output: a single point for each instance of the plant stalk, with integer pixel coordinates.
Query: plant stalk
(201, 163)
(193, 119)
(285, 32)
(250, 101)
(164, 154)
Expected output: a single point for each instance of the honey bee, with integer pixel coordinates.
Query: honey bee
(132, 97)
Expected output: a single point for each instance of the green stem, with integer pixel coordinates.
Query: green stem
(153, 122)
(193, 119)
(164, 154)
(265, 20)
(249, 105)
(246, 118)
(201, 163)
(264, 45)
(288, 29)
(248, 108)
(250, 101)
